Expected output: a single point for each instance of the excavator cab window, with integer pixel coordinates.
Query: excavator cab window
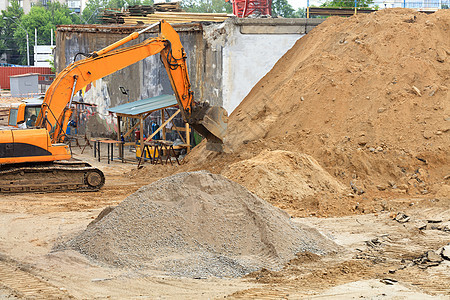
(31, 112)
(13, 117)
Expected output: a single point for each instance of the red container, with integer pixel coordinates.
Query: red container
(5, 72)
(245, 8)
(137, 135)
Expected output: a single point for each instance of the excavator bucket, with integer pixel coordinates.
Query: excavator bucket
(211, 122)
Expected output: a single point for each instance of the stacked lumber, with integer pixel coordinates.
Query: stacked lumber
(112, 16)
(175, 17)
(141, 10)
(149, 14)
(168, 6)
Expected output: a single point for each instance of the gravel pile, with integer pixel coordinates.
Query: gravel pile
(197, 225)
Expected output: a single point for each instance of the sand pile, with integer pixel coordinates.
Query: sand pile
(368, 97)
(284, 178)
(197, 225)
(376, 79)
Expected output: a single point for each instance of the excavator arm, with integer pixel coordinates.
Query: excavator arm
(56, 111)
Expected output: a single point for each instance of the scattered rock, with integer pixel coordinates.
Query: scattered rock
(362, 141)
(434, 220)
(357, 190)
(422, 160)
(427, 134)
(440, 55)
(388, 281)
(417, 91)
(446, 252)
(433, 257)
(403, 187)
(381, 109)
(381, 187)
(401, 217)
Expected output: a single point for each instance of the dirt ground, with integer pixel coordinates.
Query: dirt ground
(377, 247)
(348, 133)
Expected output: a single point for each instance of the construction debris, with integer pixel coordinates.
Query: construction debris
(401, 217)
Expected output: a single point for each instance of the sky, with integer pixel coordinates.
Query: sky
(298, 3)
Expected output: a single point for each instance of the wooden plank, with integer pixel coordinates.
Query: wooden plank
(141, 136)
(188, 138)
(163, 118)
(119, 135)
(178, 128)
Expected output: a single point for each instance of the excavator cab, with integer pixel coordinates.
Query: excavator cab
(24, 113)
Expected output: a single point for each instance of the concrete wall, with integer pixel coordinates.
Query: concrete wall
(225, 60)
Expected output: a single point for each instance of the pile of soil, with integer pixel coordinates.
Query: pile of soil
(285, 179)
(197, 225)
(367, 97)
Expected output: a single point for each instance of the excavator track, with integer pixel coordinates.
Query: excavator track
(58, 176)
(23, 284)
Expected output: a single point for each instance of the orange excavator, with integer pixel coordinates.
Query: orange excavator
(37, 159)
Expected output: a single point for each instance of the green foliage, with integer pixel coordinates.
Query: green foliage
(43, 19)
(347, 3)
(207, 6)
(281, 8)
(8, 44)
(300, 13)
(91, 11)
(52, 64)
(14, 26)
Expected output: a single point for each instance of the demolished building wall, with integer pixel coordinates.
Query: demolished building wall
(224, 59)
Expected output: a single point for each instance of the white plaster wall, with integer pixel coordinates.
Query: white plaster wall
(247, 58)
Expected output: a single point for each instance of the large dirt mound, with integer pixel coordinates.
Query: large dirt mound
(368, 97)
(198, 224)
(376, 79)
(284, 178)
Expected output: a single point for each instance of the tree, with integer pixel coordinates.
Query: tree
(347, 3)
(44, 20)
(91, 11)
(281, 8)
(300, 13)
(8, 25)
(207, 6)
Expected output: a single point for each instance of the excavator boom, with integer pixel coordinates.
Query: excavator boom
(38, 160)
(56, 111)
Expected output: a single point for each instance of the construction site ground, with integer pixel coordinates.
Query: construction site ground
(377, 257)
(347, 134)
